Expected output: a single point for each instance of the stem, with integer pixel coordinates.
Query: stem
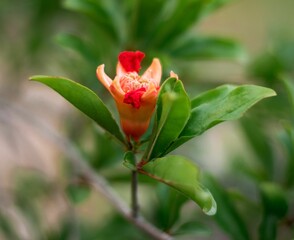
(134, 192)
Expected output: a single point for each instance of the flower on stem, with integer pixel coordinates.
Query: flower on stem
(135, 96)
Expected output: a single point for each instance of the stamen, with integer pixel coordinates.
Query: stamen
(132, 81)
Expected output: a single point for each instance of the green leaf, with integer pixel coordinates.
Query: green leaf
(100, 12)
(274, 199)
(214, 5)
(221, 104)
(77, 44)
(194, 48)
(287, 139)
(227, 215)
(176, 18)
(193, 228)
(268, 227)
(168, 208)
(130, 161)
(85, 100)
(289, 87)
(183, 175)
(275, 207)
(261, 145)
(172, 114)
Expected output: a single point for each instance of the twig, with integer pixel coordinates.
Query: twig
(98, 182)
(135, 205)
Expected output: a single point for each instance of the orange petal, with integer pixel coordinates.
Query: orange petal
(153, 73)
(151, 94)
(120, 70)
(103, 78)
(116, 91)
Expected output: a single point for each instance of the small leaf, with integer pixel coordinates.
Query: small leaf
(85, 100)
(221, 104)
(130, 161)
(183, 175)
(173, 112)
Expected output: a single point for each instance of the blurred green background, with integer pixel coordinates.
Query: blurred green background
(248, 165)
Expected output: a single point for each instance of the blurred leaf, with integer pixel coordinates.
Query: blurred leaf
(274, 199)
(267, 67)
(193, 228)
(215, 4)
(275, 62)
(77, 193)
(268, 227)
(172, 114)
(77, 44)
(288, 140)
(260, 143)
(144, 15)
(221, 104)
(275, 207)
(100, 13)
(194, 48)
(85, 100)
(167, 211)
(177, 17)
(183, 175)
(227, 215)
(289, 86)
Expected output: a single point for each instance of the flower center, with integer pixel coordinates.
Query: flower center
(132, 81)
(134, 87)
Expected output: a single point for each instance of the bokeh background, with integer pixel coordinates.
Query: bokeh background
(40, 193)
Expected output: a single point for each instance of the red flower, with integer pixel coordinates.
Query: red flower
(135, 95)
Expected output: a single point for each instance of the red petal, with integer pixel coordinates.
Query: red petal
(131, 61)
(134, 97)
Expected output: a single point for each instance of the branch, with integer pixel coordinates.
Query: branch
(77, 160)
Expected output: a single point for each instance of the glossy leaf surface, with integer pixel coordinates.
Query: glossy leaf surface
(85, 100)
(183, 175)
(221, 104)
(172, 114)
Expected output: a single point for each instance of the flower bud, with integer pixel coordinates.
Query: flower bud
(135, 96)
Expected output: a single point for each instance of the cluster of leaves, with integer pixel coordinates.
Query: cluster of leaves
(154, 27)
(177, 120)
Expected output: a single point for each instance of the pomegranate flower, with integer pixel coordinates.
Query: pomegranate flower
(135, 96)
